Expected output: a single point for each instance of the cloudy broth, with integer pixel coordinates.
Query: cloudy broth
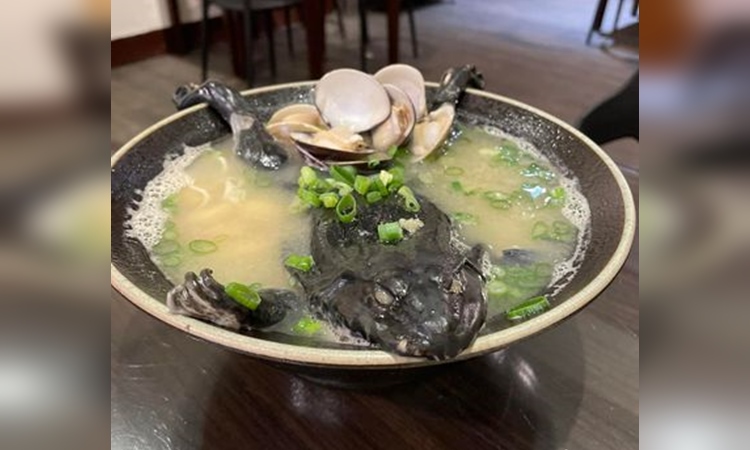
(242, 223)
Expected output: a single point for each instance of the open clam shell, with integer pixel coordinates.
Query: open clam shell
(399, 125)
(337, 144)
(298, 113)
(410, 81)
(430, 133)
(351, 99)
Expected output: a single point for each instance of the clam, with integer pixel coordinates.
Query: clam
(410, 81)
(431, 132)
(281, 131)
(351, 99)
(399, 125)
(298, 113)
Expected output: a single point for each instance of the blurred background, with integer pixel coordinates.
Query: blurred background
(563, 56)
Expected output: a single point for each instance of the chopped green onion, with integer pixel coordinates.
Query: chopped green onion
(535, 170)
(362, 184)
(299, 262)
(329, 199)
(528, 309)
(340, 187)
(202, 246)
(385, 177)
(454, 171)
(390, 233)
(171, 260)
(244, 295)
(558, 193)
(373, 197)
(464, 218)
(457, 186)
(307, 326)
(169, 204)
(410, 201)
(501, 204)
(309, 198)
(166, 247)
(398, 174)
(496, 289)
(373, 162)
(495, 195)
(307, 177)
(346, 210)
(393, 151)
(540, 231)
(344, 174)
(169, 235)
(378, 186)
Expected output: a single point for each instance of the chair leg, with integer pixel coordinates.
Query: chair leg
(634, 11)
(268, 17)
(364, 38)
(596, 25)
(249, 65)
(205, 41)
(340, 18)
(617, 16)
(289, 31)
(412, 29)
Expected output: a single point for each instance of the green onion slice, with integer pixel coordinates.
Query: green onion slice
(309, 198)
(171, 260)
(329, 199)
(362, 184)
(244, 295)
(410, 201)
(307, 177)
(528, 309)
(165, 247)
(540, 231)
(390, 232)
(346, 210)
(307, 326)
(465, 218)
(203, 247)
(344, 174)
(373, 197)
(299, 262)
(454, 171)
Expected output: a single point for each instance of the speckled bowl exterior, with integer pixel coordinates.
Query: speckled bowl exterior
(612, 230)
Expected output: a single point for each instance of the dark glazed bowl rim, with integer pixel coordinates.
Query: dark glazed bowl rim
(373, 359)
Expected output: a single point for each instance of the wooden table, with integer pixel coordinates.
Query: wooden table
(315, 15)
(573, 387)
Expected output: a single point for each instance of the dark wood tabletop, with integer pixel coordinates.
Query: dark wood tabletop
(572, 387)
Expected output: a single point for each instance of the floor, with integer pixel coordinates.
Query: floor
(532, 51)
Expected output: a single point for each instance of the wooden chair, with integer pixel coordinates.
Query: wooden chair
(369, 5)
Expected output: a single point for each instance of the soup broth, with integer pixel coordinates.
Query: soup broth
(242, 223)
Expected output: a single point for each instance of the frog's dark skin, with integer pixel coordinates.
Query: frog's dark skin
(423, 296)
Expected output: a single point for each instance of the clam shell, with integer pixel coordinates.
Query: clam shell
(298, 113)
(281, 131)
(430, 133)
(399, 125)
(409, 80)
(348, 98)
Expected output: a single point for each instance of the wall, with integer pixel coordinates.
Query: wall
(134, 17)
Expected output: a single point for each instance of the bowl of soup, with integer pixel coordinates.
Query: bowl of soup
(549, 211)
